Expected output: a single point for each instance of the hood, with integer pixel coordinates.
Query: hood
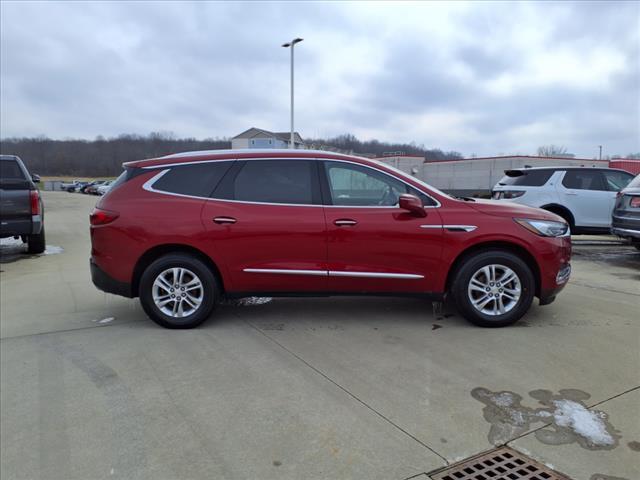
(513, 210)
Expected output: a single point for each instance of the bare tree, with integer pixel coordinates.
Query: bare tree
(553, 151)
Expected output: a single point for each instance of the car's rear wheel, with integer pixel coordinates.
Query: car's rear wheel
(493, 289)
(36, 243)
(178, 291)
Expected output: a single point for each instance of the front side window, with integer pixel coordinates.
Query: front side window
(583, 180)
(615, 180)
(276, 181)
(358, 186)
(197, 180)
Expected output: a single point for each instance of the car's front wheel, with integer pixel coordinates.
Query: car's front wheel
(178, 291)
(493, 289)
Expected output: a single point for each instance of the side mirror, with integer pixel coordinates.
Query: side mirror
(35, 178)
(413, 204)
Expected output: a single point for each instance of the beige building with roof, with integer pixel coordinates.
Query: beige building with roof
(259, 138)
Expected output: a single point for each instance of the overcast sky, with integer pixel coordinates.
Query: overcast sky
(481, 78)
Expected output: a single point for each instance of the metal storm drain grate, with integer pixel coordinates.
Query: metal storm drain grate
(501, 464)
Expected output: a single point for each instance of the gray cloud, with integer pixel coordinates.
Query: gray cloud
(480, 78)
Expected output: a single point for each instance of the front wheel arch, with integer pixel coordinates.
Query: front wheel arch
(506, 246)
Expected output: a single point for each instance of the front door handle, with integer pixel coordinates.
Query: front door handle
(345, 222)
(224, 220)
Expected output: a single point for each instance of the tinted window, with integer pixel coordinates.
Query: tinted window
(615, 180)
(353, 185)
(583, 180)
(197, 180)
(10, 170)
(528, 178)
(276, 181)
(635, 182)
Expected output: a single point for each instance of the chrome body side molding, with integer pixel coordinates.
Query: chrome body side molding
(453, 228)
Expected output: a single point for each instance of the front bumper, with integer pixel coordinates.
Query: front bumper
(547, 296)
(107, 284)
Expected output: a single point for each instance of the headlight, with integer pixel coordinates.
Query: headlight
(544, 228)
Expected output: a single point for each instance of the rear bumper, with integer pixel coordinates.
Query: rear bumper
(31, 225)
(108, 284)
(626, 233)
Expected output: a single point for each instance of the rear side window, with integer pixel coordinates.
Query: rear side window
(197, 180)
(616, 180)
(10, 170)
(583, 180)
(274, 181)
(527, 178)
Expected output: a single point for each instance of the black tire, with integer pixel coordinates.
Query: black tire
(470, 265)
(193, 264)
(36, 243)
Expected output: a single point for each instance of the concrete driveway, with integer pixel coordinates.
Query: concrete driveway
(306, 388)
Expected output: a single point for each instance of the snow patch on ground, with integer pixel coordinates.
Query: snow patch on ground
(105, 320)
(53, 250)
(582, 421)
(10, 241)
(504, 399)
(247, 301)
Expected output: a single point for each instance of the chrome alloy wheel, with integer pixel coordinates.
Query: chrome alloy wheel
(177, 292)
(494, 290)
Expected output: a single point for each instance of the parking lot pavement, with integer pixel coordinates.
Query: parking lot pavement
(307, 388)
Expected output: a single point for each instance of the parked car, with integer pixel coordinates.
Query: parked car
(104, 188)
(625, 220)
(74, 186)
(70, 186)
(583, 196)
(182, 231)
(92, 188)
(21, 207)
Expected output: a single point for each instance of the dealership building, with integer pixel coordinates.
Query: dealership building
(477, 176)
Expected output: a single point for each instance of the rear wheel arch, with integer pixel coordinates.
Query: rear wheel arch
(158, 251)
(564, 212)
(501, 246)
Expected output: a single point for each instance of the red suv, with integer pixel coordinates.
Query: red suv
(182, 231)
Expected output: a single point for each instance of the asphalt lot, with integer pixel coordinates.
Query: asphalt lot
(303, 388)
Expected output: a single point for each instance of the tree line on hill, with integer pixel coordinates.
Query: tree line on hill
(104, 156)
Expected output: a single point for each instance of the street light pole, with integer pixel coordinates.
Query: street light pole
(287, 45)
(600, 146)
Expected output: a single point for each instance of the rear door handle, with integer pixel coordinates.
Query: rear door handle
(224, 220)
(345, 222)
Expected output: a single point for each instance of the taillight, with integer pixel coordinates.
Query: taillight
(35, 202)
(634, 202)
(101, 217)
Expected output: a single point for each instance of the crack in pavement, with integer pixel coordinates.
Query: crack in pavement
(352, 395)
(598, 287)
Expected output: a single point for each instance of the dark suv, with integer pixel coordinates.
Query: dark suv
(21, 208)
(625, 220)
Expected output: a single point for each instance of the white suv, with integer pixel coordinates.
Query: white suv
(583, 196)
